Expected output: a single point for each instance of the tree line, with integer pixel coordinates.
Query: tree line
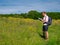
(33, 14)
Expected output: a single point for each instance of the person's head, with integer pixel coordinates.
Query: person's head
(43, 13)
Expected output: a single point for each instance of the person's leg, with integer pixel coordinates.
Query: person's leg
(46, 34)
(45, 31)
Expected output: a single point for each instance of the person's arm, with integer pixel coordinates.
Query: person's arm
(42, 20)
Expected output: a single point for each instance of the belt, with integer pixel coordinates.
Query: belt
(45, 23)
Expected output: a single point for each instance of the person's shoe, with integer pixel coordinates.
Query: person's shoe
(46, 39)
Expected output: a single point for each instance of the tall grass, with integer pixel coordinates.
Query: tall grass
(20, 31)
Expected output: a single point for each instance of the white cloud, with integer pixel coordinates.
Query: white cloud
(18, 8)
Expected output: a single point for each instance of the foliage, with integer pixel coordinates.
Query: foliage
(33, 15)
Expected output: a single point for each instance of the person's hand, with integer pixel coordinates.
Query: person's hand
(40, 19)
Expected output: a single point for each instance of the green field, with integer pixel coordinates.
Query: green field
(19, 31)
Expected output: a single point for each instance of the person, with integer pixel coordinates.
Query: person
(45, 25)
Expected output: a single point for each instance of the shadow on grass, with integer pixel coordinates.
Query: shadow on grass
(41, 35)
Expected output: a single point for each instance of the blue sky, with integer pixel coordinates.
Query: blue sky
(22, 6)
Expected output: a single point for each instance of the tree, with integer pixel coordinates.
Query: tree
(34, 14)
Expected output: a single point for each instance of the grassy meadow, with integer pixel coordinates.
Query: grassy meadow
(20, 31)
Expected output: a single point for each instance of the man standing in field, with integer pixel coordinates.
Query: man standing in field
(45, 24)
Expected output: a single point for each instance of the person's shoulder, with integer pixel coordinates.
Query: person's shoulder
(46, 16)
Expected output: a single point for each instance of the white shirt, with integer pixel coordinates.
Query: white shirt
(45, 18)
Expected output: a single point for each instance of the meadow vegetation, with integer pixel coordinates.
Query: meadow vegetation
(21, 31)
(26, 29)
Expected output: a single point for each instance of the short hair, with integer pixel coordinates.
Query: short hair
(44, 12)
